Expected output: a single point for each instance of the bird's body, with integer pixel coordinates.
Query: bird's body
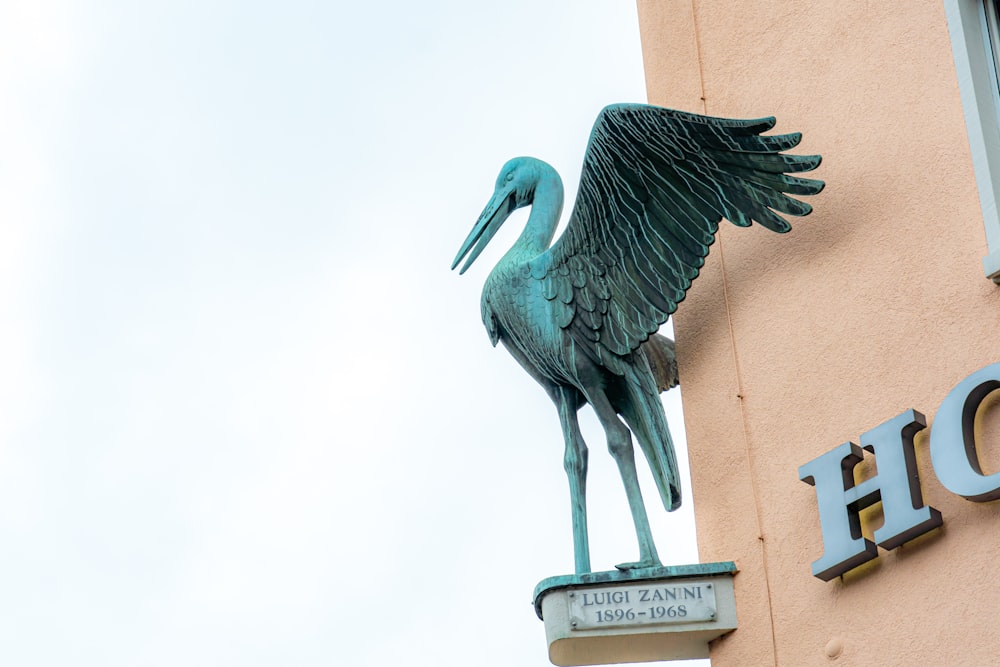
(580, 316)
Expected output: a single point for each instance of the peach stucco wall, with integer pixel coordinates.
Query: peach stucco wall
(790, 345)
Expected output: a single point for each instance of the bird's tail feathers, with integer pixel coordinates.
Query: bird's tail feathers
(645, 417)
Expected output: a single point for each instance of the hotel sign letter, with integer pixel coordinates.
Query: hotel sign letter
(953, 439)
(897, 484)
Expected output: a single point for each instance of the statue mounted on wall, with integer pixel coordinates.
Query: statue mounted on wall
(581, 315)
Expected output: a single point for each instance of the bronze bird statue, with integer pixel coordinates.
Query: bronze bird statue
(581, 315)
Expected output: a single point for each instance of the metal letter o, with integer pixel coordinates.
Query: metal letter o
(953, 438)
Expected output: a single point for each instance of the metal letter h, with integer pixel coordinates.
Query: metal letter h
(896, 485)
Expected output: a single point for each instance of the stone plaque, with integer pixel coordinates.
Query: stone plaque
(650, 603)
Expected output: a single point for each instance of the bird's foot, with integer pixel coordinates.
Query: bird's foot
(639, 565)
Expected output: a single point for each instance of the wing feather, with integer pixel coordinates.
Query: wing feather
(655, 185)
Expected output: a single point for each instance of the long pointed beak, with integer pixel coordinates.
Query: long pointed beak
(500, 207)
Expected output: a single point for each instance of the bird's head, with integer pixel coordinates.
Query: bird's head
(515, 188)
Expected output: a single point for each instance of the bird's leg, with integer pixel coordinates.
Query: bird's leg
(620, 446)
(575, 463)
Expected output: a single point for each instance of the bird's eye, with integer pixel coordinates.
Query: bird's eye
(510, 177)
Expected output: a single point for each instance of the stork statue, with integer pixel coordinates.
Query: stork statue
(581, 315)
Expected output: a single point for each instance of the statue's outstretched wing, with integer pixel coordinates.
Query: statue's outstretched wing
(655, 184)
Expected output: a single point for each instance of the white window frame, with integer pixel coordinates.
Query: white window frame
(977, 58)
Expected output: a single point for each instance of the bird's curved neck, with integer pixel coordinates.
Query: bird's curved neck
(546, 207)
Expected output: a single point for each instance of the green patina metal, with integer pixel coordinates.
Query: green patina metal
(581, 315)
(546, 586)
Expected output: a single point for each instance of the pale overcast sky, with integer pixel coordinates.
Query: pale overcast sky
(247, 414)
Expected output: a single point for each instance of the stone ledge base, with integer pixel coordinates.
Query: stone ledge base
(662, 613)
